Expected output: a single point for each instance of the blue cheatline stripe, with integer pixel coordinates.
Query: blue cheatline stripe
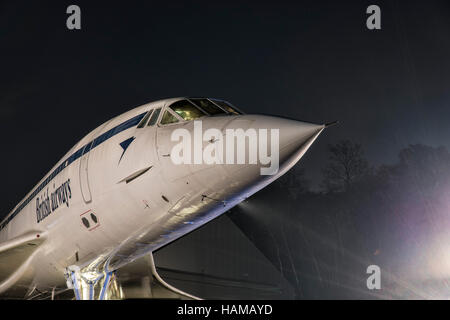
(75, 286)
(91, 291)
(83, 150)
(105, 286)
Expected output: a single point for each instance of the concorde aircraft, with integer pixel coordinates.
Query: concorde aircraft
(119, 194)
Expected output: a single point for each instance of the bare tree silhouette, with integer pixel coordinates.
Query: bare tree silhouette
(347, 165)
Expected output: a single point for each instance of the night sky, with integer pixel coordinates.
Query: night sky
(312, 60)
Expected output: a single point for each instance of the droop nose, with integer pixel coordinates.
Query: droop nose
(294, 137)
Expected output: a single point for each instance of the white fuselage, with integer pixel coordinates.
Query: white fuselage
(133, 197)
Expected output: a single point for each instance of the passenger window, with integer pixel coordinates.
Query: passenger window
(226, 106)
(208, 106)
(168, 118)
(144, 121)
(85, 222)
(186, 110)
(154, 117)
(94, 218)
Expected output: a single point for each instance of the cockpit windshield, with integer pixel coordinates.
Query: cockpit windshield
(168, 118)
(191, 109)
(208, 106)
(187, 110)
(226, 106)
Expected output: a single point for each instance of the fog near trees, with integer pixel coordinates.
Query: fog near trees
(395, 216)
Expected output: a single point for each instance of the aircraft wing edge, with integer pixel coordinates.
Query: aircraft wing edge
(20, 250)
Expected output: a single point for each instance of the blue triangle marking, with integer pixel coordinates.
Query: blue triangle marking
(125, 144)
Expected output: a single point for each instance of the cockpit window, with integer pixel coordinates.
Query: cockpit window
(154, 117)
(144, 120)
(186, 110)
(225, 105)
(168, 118)
(208, 106)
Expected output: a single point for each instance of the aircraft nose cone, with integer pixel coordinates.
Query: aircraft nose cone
(290, 131)
(295, 136)
(290, 139)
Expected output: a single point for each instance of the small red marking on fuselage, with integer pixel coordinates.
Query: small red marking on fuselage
(85, 212)
(94, 227)
(37, 236)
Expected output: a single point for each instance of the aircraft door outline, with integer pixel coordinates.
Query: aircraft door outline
(84, 174)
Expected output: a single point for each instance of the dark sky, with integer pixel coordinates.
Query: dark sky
(310, 60)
